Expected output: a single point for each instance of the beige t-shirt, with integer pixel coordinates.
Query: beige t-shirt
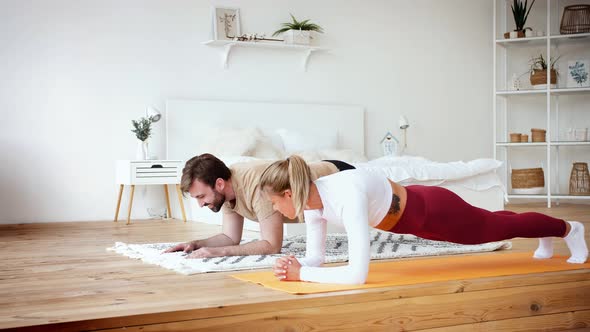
(245, 178)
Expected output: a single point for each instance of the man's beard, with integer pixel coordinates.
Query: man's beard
(218, 201)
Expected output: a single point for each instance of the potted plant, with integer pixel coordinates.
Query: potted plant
(539, 71)
(520, 11)
(143, 130)
(298, 32)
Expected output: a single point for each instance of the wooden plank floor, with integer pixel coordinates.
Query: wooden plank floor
(58, 276)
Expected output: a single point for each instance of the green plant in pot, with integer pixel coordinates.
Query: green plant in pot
(520, 12)
(142, 128)
(298, 32)
(538, 71)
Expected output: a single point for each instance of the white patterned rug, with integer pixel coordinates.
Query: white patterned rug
(383, 245)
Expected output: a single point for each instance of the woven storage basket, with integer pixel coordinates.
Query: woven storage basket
(575, 19)
(538, 135)
(540, 77)
(580, 179)
(524, 138)
(528, 178)
(515, 137)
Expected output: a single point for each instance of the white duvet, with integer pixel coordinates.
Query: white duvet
(478, 174)
(418, 169)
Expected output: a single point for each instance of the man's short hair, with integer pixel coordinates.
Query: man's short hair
(206, 168)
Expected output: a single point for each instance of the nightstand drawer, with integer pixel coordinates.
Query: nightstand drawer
(155, 173)
(149, 172)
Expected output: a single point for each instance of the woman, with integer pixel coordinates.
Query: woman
(360, 199)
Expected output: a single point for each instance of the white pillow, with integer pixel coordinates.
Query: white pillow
(310, 140)
(275, 139)
(231, 141)
(265, 149)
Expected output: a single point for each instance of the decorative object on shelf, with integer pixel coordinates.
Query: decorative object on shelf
(575, 19)
(538, 135)
(538, 72)
(226, 23)
(389, 144)
(520, 12)
(577, 73)
(528, 178)
(540, 33)
(254, 37)
(143, 130)
(576, 134)
(515, 137)
(298, 32)
(404, 124)
(515, 82)
(580, 179)
(524, 138)
(530, 33)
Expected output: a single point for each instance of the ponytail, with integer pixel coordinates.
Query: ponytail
(292, 173)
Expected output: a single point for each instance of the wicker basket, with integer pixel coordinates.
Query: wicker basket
(528, 178)
(580, 180)
(575, 19)
(538, 135)
(515, 137)
(524, 138)
(539, 77)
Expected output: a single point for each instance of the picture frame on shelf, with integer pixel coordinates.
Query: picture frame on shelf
(578, 73)
(225, 23)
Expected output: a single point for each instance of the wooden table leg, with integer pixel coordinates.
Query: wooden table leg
(168, 211)
(119, 202)
(181, 202)
(130, 204)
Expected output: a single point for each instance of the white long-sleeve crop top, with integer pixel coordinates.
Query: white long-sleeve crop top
(356, 199)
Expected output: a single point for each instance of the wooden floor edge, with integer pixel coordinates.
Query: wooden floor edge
(303, 302)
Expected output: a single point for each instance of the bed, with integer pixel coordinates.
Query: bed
(238, 131)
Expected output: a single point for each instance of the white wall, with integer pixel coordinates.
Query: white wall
(74, 73)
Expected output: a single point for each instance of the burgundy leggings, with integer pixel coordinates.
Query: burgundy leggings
(438, 214)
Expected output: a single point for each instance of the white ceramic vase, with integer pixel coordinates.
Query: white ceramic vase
(142, 152)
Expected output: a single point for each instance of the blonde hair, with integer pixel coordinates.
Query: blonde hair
(292, 174)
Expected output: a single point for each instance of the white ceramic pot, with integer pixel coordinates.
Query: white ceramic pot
(300, 37)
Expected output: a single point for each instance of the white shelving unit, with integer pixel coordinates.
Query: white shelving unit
(550, 44)
(228, 45)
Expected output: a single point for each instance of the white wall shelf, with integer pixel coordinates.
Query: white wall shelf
(508, 54)
(540, 41)
(569, 91)
(532, 144)
(228, 45)
(521, 92)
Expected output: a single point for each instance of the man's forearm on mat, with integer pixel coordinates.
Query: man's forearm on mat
(261, 247)
(219, 240)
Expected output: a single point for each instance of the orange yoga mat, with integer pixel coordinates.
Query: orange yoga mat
(417, 271)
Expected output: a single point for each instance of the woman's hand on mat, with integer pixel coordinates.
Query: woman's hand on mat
(206, 252)
(287, 268)
(186, 247)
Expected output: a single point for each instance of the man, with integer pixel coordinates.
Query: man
(236, 193)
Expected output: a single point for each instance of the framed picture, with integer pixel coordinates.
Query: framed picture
(578, 73)
(226, 23)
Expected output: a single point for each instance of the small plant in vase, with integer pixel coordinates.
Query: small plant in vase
(298, 32)
(539, 71)
(143, 130)
(520, 12)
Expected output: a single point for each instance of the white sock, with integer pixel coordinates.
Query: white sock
(576, 243)
(545, 249)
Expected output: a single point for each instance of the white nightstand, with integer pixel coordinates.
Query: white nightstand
(149, 172)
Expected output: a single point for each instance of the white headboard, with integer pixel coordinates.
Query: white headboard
(186, 120)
